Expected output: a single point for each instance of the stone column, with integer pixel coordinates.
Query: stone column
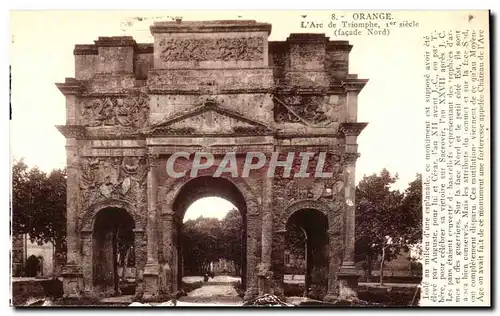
(72, 273)
(278, 265)
(253, 224)
(167, 226)
(265, 273)
(151, 271)
(335, 245)
(348, 277)
(87, 263)
(139, 263)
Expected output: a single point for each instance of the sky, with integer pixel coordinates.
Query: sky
(41, 53)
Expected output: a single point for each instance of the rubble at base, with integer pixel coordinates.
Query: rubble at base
(267, 300)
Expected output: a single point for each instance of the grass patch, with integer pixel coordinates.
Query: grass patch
(290, 289)
(396, 296)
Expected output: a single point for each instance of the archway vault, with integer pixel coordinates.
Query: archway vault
(183, 192)
(303, 205)
(169, 192)
(87, 221)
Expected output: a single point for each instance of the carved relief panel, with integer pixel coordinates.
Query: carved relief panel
(129, 111)
(121, 178)
(309, 110)
(329, 189)
(213, 49)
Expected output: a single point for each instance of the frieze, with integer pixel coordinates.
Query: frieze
(310, 110)
(129, 111)
(216, 150)
(166, 131)
(121, 178)
(213, 49)
(194, 81)
(251, 130)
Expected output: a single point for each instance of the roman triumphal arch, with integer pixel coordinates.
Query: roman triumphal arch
(213, 87)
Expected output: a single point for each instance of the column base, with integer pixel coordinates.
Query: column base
(151, 282)
(348, 281)
(331, 297)
(265, 278)
(72, 281)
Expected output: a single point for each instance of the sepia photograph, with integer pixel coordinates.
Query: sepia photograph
(250, 158)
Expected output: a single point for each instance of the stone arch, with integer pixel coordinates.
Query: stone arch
(169, 192)
(99, 245)
(300, 205)
(88, 219)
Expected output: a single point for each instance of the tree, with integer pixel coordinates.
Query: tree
(39, 206)
(295, 244)
(231, 237)
(206, 240)
(387, 220)
(201, 243)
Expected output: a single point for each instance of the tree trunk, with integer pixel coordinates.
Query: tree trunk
(368, 269)
(124, 264)
(382, 267)
(59, 257)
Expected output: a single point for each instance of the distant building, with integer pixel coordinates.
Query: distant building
(23, 249)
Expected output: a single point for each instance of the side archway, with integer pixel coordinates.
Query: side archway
(88, 218)
(302, 205)
(303, 230)
(111, 239)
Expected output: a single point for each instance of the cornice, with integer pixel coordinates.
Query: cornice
(72, 131)
(354, 85)
(352, 129)
(71, 86)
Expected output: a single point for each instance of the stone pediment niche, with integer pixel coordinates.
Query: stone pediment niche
(309, 110)
(127, 111)
(208, 117)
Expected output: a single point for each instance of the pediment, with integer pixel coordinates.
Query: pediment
(210, 119)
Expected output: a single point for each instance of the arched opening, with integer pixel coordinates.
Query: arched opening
(34, 266)
(219, 254)
(306, 254)
(113, 252)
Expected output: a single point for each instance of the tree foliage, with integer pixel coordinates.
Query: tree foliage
(207, 240)
(387, 220)
(231, 237)
(39, 204)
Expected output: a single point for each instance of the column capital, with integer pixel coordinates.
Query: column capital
(153, 159)
(350, 158)
(167, 215)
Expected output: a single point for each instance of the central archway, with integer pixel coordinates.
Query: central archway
(208, 186)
